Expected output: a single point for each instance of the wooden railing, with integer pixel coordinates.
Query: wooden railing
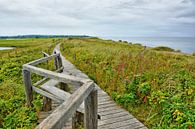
(87, 93)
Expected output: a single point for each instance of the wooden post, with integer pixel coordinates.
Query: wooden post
(59, 61)
(91, 117)
(77, 120)
(28, 86)
(47, 102)
(56, 62)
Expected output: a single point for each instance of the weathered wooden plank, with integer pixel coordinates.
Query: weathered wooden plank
(44, 79)
(114, 120)
(53, 97)
(45, 54)
(103, 100)
(107, 109)
(77, 119)
(40, 81)
(63, 95)
(47, 104)
(118, 124)
(60, 94)
(106, 105)
(60, 116)
(28, 86)
(74, 121)
(115, 115)
(136, 125)
(104, 97)
(57, 76)
(110, 112)
(41, 60)
(59, 70)
(91, 118)
(56, 91)
(107, 102)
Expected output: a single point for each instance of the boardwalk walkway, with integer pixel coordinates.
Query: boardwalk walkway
(112, 116)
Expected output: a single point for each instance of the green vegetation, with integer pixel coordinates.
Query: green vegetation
(156, 87)
(163, 48)
(13, 111)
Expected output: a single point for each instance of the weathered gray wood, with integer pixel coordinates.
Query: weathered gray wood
(74, 121)
(57, 60)
(59, 70)
(47, 104)
(56, 91)
(77, 120)
(40, 81)
(44, 79)
(136, 125)
(118, 124)
(91, 117)
(106, 105)
(48, 95)
(115, 115)
(49, 86)
(57, 76)
(63, 95)
(45, 54)
(61, 115)
(28, 86)
(42, 59)
(109, 112)
(114, 120)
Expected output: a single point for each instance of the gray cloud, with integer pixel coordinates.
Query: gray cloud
(98, 17)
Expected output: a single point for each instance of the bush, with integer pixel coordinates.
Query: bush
(163, 48)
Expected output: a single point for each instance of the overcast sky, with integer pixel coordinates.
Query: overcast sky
(98, 17)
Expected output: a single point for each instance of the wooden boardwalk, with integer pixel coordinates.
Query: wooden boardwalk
(112, 116)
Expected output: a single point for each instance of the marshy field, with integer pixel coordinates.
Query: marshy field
(156, 85)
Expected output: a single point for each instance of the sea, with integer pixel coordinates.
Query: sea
(185, 44)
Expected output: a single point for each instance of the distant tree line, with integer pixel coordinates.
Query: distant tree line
(44, 36)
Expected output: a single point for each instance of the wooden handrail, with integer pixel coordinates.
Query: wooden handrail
(41, 60)
(53, 75)
(87, 93)
(66, 110)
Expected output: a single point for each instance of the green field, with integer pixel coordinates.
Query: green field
(155, 86)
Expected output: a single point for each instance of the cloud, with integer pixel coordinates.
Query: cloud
(97, 17)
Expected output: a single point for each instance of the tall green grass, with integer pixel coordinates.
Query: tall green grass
(156, 87)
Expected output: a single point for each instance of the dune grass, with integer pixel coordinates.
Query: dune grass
(156, 87)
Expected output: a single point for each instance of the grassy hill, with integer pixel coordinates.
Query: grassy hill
(155, 86)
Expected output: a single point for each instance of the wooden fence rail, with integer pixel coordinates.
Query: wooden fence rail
(87, 93)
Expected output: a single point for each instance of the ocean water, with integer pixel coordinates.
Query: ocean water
(185, 44)
(6, 48)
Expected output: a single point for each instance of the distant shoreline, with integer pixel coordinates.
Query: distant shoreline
(43, 36)
(185, 44)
